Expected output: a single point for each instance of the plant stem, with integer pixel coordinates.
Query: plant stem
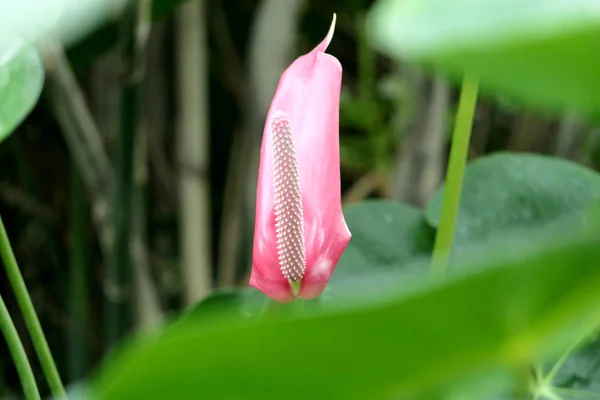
(270, 308)
(78, 334)
(454, 177)
(118, 284)
(31, 320)
(193, 150)
(82, 136)
(299, 307)
(18, 353)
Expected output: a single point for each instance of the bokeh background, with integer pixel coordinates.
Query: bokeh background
(168, 110)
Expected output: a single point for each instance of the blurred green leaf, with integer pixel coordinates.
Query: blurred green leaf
(29, 18)
(523, 300)
(225, 304)
(386, 236)
(541, 52)
(507, 191)
(65, 20)
(21, 82)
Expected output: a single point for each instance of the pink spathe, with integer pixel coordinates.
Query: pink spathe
(299, 178)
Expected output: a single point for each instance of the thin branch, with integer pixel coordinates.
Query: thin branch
(67, 101)
(146, 301)
(155, 115)
(362, 188)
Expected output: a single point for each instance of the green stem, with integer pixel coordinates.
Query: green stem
(549, 379)
(299, 307)
(31, 320)
(454, 177)
(78, 333)
(118, 285)
(18, 353)
(270, 308)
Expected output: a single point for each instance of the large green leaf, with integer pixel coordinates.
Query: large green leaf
(21, 82)
(516, 302)
(542, 52)
(506, 191)
(29, 18)
(226, 304)
(386, 236)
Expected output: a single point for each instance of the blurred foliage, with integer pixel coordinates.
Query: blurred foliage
(504, 192)
(21, 80)
(542, 55)
(523, 290)
(355, 351)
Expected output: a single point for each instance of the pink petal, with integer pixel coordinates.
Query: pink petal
(309, 93)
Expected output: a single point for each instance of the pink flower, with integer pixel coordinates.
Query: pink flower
(300, 231)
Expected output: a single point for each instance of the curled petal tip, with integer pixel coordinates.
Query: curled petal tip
(325, 43)
(331, 29)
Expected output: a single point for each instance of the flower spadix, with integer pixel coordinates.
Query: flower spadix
(300, 231)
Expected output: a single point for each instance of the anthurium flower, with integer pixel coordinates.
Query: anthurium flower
(300, 231)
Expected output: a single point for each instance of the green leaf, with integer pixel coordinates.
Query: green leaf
(21, 82)
(64, 20)
(412, 342)
(505, 191)
(29, 18)
(541, 52)
(386, 237)
(580, 370)
(226, 304)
